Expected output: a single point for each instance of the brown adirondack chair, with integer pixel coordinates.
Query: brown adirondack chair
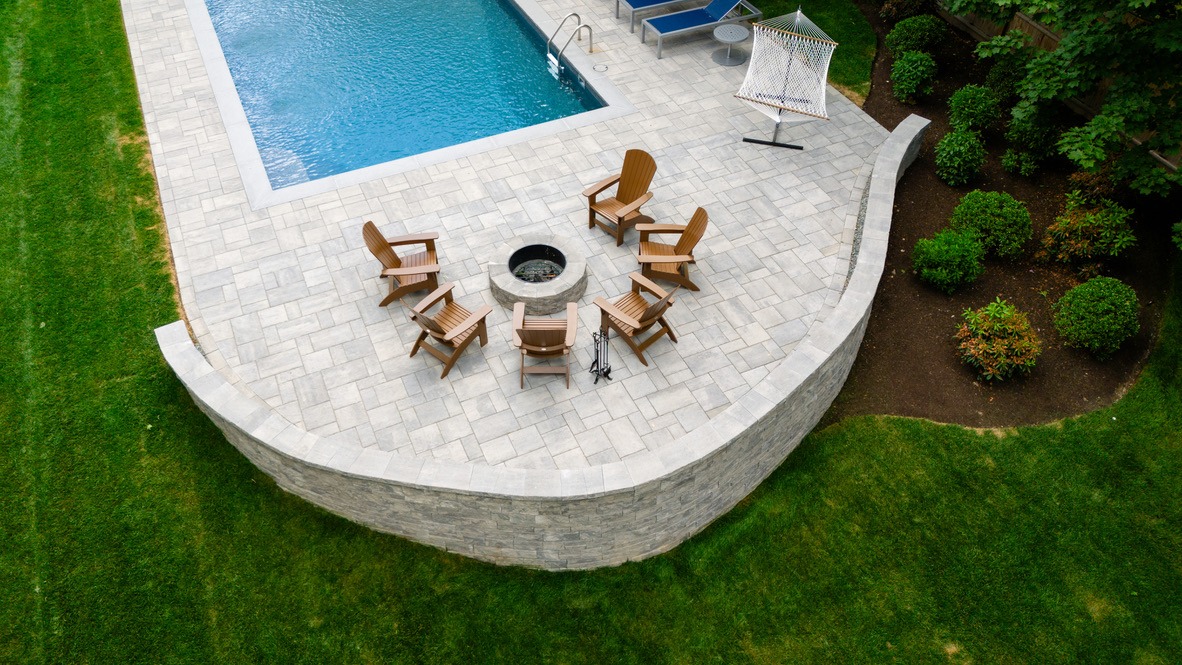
(407, 274)
(619, 213)
(632, 314)
(671, 262)
(453, 327)
(545, 338)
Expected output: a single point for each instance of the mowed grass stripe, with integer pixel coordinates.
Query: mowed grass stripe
(21, 558)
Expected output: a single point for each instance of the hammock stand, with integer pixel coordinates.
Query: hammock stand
(788, 70)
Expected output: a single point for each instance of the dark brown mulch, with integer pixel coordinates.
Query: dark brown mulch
(908, 364)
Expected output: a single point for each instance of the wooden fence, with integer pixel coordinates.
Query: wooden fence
(1044, 38)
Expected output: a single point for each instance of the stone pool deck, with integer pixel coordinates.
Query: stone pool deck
(282, 299)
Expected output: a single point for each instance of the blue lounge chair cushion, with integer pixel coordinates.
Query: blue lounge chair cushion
(690, 18)
(646, 4)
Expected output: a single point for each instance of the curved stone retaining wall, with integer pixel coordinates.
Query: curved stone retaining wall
(577, 518)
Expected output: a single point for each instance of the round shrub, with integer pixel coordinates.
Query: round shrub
(1001, 221)
(1019, 162)
(1089, 231)
(973, 107)
(918, 33)
(997, 341)
(1098, 315)
(911, 75)
(959, 157)
(949, 260)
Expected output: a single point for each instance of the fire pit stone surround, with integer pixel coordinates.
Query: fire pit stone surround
(539, 298)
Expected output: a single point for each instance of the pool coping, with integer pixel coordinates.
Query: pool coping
(259, 192)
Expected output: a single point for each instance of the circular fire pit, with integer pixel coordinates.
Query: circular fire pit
(544, 272)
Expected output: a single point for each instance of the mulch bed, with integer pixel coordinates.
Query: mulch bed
(908, 363)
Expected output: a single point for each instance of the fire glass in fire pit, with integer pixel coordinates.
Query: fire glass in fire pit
(537, 263)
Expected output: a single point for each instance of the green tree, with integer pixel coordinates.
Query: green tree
(1132, 46)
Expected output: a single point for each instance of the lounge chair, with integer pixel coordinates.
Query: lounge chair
(545, 338)
(632, 315)
(619, 213)
(453, 327)
(640, 5)
(703, 18)
(407, 274)
(671, 262)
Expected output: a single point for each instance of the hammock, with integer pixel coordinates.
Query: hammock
(789, 67)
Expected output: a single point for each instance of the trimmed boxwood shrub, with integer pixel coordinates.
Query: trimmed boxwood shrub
(998, 341)
(1098, 316)
(999, 220)
(973, 107)
(959, 157)
(918, 33)
(1089, 232)
(949, 260)
(912, 75)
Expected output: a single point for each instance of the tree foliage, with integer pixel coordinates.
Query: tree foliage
(1131, 50)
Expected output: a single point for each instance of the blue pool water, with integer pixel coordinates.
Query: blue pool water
(329, 86)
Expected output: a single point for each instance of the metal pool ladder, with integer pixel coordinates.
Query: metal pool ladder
(554, 62)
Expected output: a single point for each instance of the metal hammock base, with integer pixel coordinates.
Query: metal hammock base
(778, 145)
(773, 142)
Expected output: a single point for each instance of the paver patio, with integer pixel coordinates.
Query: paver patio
(283, 300)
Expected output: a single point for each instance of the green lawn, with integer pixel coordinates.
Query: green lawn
(132, 531)
(850, 67)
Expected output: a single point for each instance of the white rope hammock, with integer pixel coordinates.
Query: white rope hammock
(789, 67)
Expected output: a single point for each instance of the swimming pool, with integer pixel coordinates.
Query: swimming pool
(328, 87)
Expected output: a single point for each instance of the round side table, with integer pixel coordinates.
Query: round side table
(730, 34)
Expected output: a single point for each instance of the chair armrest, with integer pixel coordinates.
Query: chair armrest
(646, 284)
(634, 206)
(518, 315)
(601, 185)
(667, 258)
(645, 229)
(418, 238)
(518, 322)
(416, 270)
(433, 297)
(614, 312)
(473, 319)
(572, 323)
